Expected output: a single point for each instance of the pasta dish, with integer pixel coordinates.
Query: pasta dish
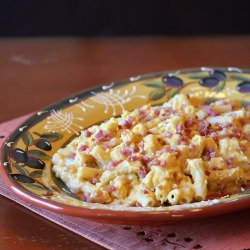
(180, 152)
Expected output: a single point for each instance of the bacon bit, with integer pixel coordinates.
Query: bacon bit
(72, 155)
(87, 133)
(205, 158)
(207, 172)
(182, 139)
(216, 168)
(154, 162)
(242, 121)
(214, 136)
(145, 191)
(134, 158)
(141, 147)
(127, 151)
(145, 160)
(168, 149)
(177, 153)
(179, 128)
(243, 148)
(229, 162)
(166, 112)
(234, 115)
(94, 180)
(138, 204)
(163, 163)
(142, 172)
(119, 126)
(148, 118)
(212, 113)
(105, 146)
(202, 127)
(212, 154)
(83, 148)
(100, 136)
(128, 122)
(142, 114)
(168, 134)
(111, 188)
(208, 153)
(209, 110)
(191, 147)
(229, 125)
(86, 197)
(179, 140)
(113, 142)
(157, 111)
(236, 130)
(247, 137)
(223, 132)
(112, 164)
(206, 107)
(248, 114)
(190, 122)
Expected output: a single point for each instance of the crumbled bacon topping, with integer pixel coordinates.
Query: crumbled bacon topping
(72, 155)
(87, 133)
(102, 136)
(208, 153)
(83, 148)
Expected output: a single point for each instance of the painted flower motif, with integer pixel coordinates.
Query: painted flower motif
(60, 120)
(113, 99)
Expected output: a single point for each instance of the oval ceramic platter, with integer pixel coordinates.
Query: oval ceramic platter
(26, 155)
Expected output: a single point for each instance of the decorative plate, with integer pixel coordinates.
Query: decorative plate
(26, 155)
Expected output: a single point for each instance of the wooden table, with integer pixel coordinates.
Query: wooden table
(38, 72)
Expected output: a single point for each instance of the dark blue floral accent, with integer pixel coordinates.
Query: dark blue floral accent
(217, 74)
(172, 81)
(244, 87)
(209, 82)
(18, 155)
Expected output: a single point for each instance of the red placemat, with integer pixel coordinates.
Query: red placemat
(230, 231)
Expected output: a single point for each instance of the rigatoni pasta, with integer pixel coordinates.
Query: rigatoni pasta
(177, 153)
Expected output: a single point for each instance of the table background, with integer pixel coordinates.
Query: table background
(36, 72)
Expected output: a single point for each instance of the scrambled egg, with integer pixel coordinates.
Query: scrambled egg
(177, 153)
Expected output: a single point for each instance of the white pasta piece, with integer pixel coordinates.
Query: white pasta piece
(162, 190)
(199, 177)
(139, 129)
(178, 102)
(238, 114)
(220, 119)
(190, 110)
(174, 196)
(122, 187)
(151, 143)
(147, 199)
(216, 163)
(198, 143)
(246, 129)
(226, 179)
(87, 173)
(101, 156)
(100, 196)
(222, 108)
(110, 125)
(229, 147)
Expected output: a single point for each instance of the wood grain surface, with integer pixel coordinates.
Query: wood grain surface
(37, 72)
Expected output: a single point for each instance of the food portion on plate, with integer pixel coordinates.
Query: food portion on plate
(177, 153)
